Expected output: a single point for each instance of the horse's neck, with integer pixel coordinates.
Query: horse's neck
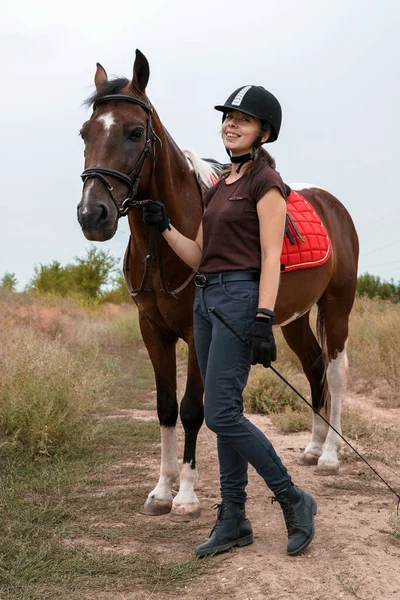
(174, 182)
(175, 185)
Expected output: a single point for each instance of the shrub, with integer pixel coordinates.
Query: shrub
(86, 277)
(8, 282)
(45, 393)
(293, 421)
(265, 393)
(372, 286)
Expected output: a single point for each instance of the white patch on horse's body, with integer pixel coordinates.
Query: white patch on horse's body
(292, 318)
(186, 501)
(302, 186)
(169, 470)
(108, 121)
(203, 169)
(336, 375)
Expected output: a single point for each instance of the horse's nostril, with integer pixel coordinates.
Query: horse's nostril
(103, 212)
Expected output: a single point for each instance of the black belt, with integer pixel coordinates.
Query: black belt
(201, 281)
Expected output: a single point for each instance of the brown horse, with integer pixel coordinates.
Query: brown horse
(128, 149)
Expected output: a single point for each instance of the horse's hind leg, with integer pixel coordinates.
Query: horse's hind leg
(186, 505)
(335, 310)
(300, 338)
(161, 349)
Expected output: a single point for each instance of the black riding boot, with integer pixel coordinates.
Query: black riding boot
(231, 529)
(298, 509)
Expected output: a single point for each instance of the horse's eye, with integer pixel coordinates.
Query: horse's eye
(135, 134)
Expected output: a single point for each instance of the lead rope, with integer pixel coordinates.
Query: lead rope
(213, 311)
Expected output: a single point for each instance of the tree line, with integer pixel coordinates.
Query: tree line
(96, 277)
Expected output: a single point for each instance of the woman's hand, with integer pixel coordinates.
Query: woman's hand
(155, 213)
(263, 348)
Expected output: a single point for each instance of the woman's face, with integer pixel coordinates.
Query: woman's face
(239, 132)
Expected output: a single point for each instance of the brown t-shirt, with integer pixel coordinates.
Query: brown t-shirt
(231, 237)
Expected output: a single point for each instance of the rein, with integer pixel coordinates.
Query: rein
(132, 182)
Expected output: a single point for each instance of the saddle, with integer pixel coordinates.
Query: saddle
(306, 242)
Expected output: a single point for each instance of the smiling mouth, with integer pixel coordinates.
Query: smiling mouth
(232, 136)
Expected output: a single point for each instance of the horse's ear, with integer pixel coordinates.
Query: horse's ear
(100, 76)
(141, 72)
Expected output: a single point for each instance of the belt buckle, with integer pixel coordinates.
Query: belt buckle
(200, 281)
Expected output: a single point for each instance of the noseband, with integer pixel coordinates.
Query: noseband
(133, 179)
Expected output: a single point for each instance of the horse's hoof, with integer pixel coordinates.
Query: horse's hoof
(155, 507)
(183, 514)
(308, 459)
(326, 469)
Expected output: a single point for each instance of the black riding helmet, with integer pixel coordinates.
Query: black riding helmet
(256, 101)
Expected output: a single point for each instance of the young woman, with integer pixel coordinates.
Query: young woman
(237, 256)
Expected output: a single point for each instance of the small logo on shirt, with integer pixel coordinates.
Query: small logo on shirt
(237, 101)
(236, 198)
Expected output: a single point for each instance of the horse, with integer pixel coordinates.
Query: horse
(131, 158)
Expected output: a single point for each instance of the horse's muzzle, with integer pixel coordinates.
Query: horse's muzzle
(98, 221)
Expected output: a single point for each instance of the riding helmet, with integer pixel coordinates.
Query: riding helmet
(256, 101)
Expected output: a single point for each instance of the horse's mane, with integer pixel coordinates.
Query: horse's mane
(114, 86)
(206, 170)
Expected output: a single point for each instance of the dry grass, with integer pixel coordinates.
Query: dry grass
(374, 343)
(57, 365)
(46, 394)
(265, 393)
(68, 478)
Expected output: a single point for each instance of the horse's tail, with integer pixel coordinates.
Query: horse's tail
(321, 334)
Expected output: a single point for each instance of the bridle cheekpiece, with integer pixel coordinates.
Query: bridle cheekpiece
(133, 179)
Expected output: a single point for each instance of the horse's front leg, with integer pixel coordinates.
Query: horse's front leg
(186, 505)
(161, 349)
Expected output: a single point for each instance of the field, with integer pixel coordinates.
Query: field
(79, 451)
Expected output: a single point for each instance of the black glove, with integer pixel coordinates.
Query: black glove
(154, 213)
(263, 348)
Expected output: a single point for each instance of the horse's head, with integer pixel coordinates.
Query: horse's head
(118, 150)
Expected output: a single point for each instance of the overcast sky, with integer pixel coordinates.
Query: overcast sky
(334, 65)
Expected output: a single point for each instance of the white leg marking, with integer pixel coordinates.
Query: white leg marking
(186, 503)
(319, 431)
(337, 379)
(107, 120)
(160, 499)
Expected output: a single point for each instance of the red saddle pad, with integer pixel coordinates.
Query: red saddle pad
(316, 247)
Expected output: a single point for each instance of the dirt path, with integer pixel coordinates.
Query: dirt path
(354, 554)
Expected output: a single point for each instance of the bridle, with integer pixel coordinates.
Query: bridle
(133, 179)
